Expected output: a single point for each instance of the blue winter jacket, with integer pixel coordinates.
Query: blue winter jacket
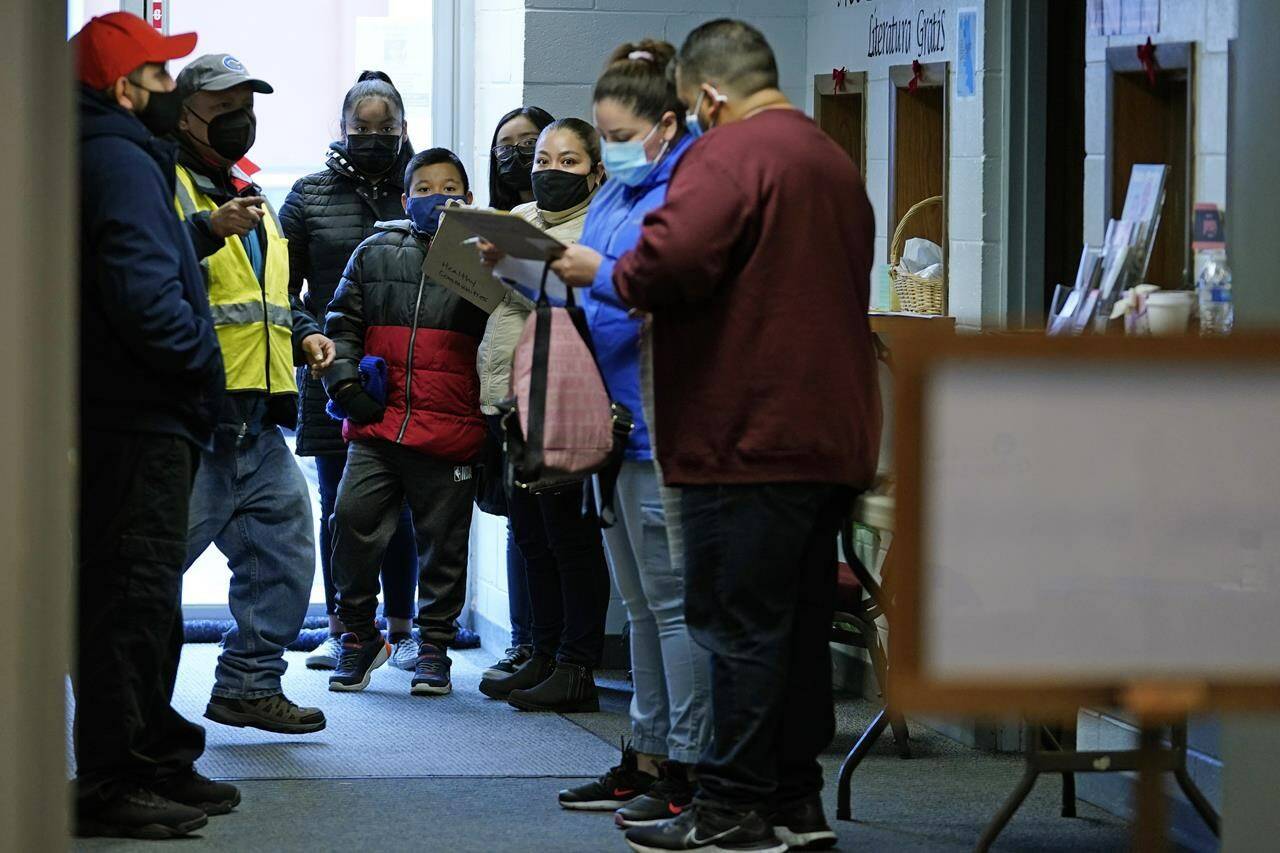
(613, 229)
(149, 358)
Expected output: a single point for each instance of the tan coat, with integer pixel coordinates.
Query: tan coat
(493, 361)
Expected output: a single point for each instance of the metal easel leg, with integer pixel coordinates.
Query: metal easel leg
(1010, 806)
(1178, 736)
(859, 752)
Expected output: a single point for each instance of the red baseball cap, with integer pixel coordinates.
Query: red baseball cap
(113, 46)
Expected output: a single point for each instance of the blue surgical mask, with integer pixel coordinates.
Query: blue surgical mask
(626, 162)
(691, 119)
(425, 210)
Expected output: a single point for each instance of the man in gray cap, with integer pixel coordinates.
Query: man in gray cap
(250, 498)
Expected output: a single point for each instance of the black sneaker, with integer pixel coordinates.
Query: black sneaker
(192, 789)
(139, 813)
(431, 677)
(803, 826)
(613, 790)
(668, 798)
(707, 829)
(275, 713)
(531, 673)
(510, 662)
(357, 662)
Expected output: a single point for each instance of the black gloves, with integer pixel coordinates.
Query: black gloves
(359, 406)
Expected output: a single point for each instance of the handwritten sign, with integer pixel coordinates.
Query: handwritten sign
(454, 263)
(966, 58)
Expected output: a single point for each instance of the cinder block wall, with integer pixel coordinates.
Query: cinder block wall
(567, 41)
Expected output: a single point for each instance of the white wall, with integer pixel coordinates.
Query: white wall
(1208, 23)
(838, 37)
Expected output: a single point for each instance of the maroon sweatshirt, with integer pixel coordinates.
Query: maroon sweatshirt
(757, 273)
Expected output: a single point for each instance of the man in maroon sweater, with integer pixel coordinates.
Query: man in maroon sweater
(757, 274)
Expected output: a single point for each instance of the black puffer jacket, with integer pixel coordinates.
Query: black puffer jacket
(326, 216)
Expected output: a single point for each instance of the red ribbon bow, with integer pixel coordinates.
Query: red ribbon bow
(1147, 56)
(917, 74)
(837, 78)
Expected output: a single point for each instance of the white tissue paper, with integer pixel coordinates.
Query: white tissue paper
(920, 254)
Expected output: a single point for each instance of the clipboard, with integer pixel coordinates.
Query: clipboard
(454, 263)
(510, 233)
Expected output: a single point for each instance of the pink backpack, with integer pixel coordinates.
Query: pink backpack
(561, 425)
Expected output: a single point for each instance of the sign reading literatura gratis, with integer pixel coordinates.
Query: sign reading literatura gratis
(901, 31)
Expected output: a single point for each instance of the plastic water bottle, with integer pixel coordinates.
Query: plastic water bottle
(1217, 311)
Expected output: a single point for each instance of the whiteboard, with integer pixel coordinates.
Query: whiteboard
(1097, 520)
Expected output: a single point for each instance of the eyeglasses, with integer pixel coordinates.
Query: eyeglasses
(525, 147)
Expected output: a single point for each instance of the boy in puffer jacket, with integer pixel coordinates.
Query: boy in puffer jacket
(421, 444)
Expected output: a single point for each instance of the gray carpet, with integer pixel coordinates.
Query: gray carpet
(383, 731)
(301, 794)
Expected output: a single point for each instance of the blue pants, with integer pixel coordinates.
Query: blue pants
(399, 564)
(250, 500)
(671, 708)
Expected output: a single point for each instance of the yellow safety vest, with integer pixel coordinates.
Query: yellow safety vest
(253, 319)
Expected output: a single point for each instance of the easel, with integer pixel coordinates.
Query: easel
(1156, 707)
(943, 665)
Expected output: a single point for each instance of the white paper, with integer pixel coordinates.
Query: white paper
(529, 274)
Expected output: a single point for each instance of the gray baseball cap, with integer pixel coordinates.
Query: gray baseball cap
(217, 72)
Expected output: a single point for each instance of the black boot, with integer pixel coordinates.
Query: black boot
(138, 813)
(570, 689)
(530, 674)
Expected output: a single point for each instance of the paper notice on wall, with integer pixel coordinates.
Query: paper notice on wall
(454, 263)
(1124, 17)
(966, 54)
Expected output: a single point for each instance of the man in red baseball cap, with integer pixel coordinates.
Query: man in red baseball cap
(151, 386)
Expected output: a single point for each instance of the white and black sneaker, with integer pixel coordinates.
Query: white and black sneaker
(803, 826)
(326, 654)
(404, 653)
(509, 662)
(709, 830)
(668, 798)
(613, 790)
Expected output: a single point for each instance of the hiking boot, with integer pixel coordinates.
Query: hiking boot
(274, 713)
(668, 798)
(707, 829)
(510, 662)
(569, 689)
(803, 826)
(404, 653)
(192, 789)
(139, 813)
(616, 788)
(326, 654)
(431, 673)
(531, 673)
(358, 661)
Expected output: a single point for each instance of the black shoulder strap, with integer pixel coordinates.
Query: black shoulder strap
(538, 381)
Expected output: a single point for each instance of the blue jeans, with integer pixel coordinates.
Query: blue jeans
(399, 564)
(250, 500)
(671, 706)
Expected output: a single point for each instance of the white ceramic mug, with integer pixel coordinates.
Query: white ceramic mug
(1169, 311)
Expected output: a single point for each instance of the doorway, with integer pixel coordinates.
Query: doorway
(1064, 106)
(840, 109)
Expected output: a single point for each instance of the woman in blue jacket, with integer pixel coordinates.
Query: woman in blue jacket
(642, 123)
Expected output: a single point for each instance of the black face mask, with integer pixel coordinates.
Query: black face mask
(514, 169)
(556, 190)
(162, 112)
(231, 134)
(374, 153)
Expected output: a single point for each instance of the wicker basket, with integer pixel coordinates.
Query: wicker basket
(915, 294)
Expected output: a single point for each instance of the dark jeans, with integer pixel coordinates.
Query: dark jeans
(518, 604)
(135, 489)
(760, 586)
(399, 564)
(568, 576)
(380, 476)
